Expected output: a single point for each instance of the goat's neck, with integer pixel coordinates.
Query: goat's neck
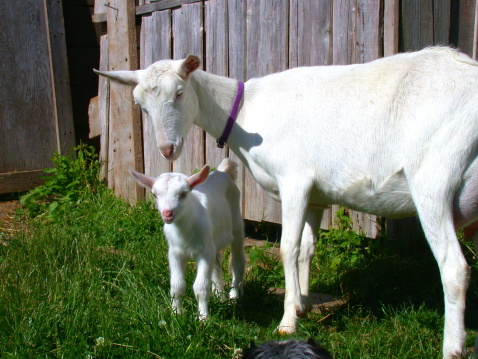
(216, 96)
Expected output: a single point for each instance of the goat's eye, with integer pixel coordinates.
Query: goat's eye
(183, 195)
(179, 93)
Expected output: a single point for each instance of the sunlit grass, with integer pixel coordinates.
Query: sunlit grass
(91, 281)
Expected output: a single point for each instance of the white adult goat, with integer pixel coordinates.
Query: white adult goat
(201, 219)
(394, 137)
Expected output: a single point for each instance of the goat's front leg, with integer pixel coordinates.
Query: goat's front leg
(177, 267)
(307, 252)
(294, 203)
(202, 284)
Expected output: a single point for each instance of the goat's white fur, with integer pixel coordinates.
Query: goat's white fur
(202, 217)
(394, 137)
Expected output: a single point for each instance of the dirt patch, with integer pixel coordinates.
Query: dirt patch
(8, 224)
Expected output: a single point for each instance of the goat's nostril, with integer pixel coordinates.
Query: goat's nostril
(167, 150)
(167, 213)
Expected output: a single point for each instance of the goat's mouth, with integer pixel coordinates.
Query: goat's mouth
(168, 219)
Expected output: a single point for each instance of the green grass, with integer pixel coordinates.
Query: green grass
(91, 281)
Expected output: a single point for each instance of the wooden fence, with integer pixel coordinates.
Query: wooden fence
(244, 39)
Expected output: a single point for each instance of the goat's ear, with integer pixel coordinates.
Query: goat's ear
(124, 77)
(189, 65)
(199, 177)
(142, 180)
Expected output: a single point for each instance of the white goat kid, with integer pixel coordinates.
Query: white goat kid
(394, 137)
(201, 219)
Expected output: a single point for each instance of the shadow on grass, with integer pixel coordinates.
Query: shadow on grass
(257, 306)
(408, 277)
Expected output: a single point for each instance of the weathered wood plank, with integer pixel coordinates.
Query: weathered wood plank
(156, 34)
(61, 85)
(162, 5)
(343, 32)
(28, 135)
(391, 27)
(466, 32)
(20, 181)
(237, 66)
(441, 21)
(267, 44)
(215, 24)
(100, 7)
(368, 31)
(417, 27)
(94, 123)
(188, 39)
(103, 109)
(125, 143)
(310, 33)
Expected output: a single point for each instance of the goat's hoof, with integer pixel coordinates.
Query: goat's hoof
(286, 330)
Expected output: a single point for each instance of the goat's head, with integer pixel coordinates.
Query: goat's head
(171, 190)
(165, 95)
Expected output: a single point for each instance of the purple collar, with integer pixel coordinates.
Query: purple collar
(221, 141)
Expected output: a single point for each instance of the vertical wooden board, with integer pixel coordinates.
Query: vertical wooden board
(125, 125)
(156, 31)
(99, 7)
(441, 21)
(391, 27)
(103, 104)
(188, 39)
(61, 85)
(237, 66)
(293, 34)
(368, 31)
(216, 62)
(417, 17)
(343, 31)
(466, 32)
(314, 30)
(267, 44)
(27, 116)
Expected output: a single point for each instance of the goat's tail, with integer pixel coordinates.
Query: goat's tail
(229, 166)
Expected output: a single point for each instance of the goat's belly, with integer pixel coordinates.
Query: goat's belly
(390, 198)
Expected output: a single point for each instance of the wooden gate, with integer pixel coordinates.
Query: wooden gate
(35, 110)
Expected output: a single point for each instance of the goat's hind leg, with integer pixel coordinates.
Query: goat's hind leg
(435, 212)
(217, 281)
(238, 263)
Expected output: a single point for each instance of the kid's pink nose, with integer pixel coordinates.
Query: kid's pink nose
(167, 216)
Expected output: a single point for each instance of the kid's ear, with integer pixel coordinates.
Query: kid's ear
(199, 177)
(142, 180)
(189, 65)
